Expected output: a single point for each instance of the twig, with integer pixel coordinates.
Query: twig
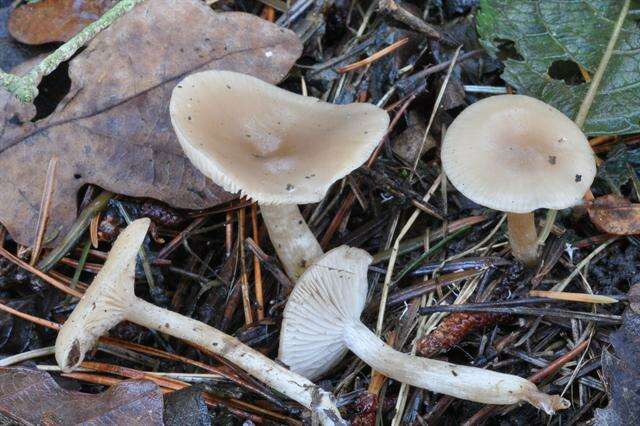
(228, 239)
(583, 112)
(437, 68)
(378, 55)
(402, 15)
(244, 281)
(45, 207)
(514, 307)
(573, 297)
(76, 231)
(257, 269)
(31, 318)
(269, 263)
(428, 286)
(177, 240)
(39, 273)
(93, 231)
(25, 87)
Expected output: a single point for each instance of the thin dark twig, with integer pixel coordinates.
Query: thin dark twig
(269, 263)
(45, 207)
(514, 308)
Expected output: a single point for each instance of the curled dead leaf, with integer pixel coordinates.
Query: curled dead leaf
(49, 21)
(615, 215)
(112, 128)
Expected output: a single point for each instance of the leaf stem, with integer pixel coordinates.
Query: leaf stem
(25, 87)
(583, 112)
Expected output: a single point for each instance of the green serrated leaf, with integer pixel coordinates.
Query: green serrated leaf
(569, 32)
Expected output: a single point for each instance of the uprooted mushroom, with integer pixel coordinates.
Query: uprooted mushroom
(516, 154)
(276, 147)
(322, 322)
(111, 299)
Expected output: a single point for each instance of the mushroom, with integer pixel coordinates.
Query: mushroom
(516, 154)
(110, 299)
(274, 146)
(322, 321)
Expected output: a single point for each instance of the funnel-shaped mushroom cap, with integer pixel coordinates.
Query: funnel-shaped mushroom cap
(516, 154)
(272, 145)
(329, 295)
(105, 302)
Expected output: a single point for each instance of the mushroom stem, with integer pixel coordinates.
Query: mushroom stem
(523, 237)
(470, 383)
(111, 299)
(294, 242)
(253, 362)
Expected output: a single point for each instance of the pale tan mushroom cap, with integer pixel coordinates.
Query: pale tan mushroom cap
(517, 154)
(330, 294)
(272, 145)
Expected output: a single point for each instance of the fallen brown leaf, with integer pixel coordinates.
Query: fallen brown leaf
(113, 129)
(50, 21)
(615, 215)
(12, 53)
(32, 397)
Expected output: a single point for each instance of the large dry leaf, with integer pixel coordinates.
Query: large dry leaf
(32, 397)
(54, 20)
(113, 129)
(614, 214)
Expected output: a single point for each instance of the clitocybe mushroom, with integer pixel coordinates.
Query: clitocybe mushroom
(110, 299)
(516, 154)
(274, 146)
(322, 321)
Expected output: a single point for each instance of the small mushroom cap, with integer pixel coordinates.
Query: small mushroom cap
(330, 294)
(517, 154)
(105, 302)
(274, 146)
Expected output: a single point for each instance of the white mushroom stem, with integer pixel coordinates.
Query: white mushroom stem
(293, 385)
(294, 242)
(321, 322)
(470, 383)
(111, 299)
(523, 237)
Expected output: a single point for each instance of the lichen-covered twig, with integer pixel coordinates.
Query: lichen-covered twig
(25, 87)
